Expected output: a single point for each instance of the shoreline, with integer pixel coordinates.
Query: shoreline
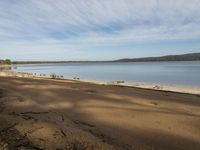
(5, 65)
(151, 86)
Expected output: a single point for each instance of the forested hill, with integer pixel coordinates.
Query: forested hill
(184, 57)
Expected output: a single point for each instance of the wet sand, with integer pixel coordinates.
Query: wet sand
(63, 114)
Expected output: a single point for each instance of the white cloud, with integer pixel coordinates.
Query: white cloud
(71, 24)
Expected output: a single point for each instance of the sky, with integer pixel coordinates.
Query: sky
(97, 29)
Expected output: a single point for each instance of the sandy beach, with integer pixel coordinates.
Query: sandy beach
(63, 114)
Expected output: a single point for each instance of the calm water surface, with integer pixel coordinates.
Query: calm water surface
(180, 73)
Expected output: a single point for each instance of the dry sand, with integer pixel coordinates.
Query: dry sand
(50, 114)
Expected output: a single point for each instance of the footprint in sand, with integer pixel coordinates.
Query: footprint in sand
(2, 93)
(74, 88)
(89, 91)
(154, 103)
(21, 99)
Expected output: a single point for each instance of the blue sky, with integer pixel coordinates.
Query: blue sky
(97, 29)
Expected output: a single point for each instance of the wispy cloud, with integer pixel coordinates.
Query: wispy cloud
(67, 25)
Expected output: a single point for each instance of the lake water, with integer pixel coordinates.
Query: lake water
(176, 73)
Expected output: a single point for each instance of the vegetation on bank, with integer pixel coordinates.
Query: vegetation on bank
(184, 57)
(5, 62)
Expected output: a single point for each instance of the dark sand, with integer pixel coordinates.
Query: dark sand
(50, 114)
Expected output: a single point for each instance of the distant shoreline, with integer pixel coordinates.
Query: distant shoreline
(184, 57)
(68, 62)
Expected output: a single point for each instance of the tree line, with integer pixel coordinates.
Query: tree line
(5, 62)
